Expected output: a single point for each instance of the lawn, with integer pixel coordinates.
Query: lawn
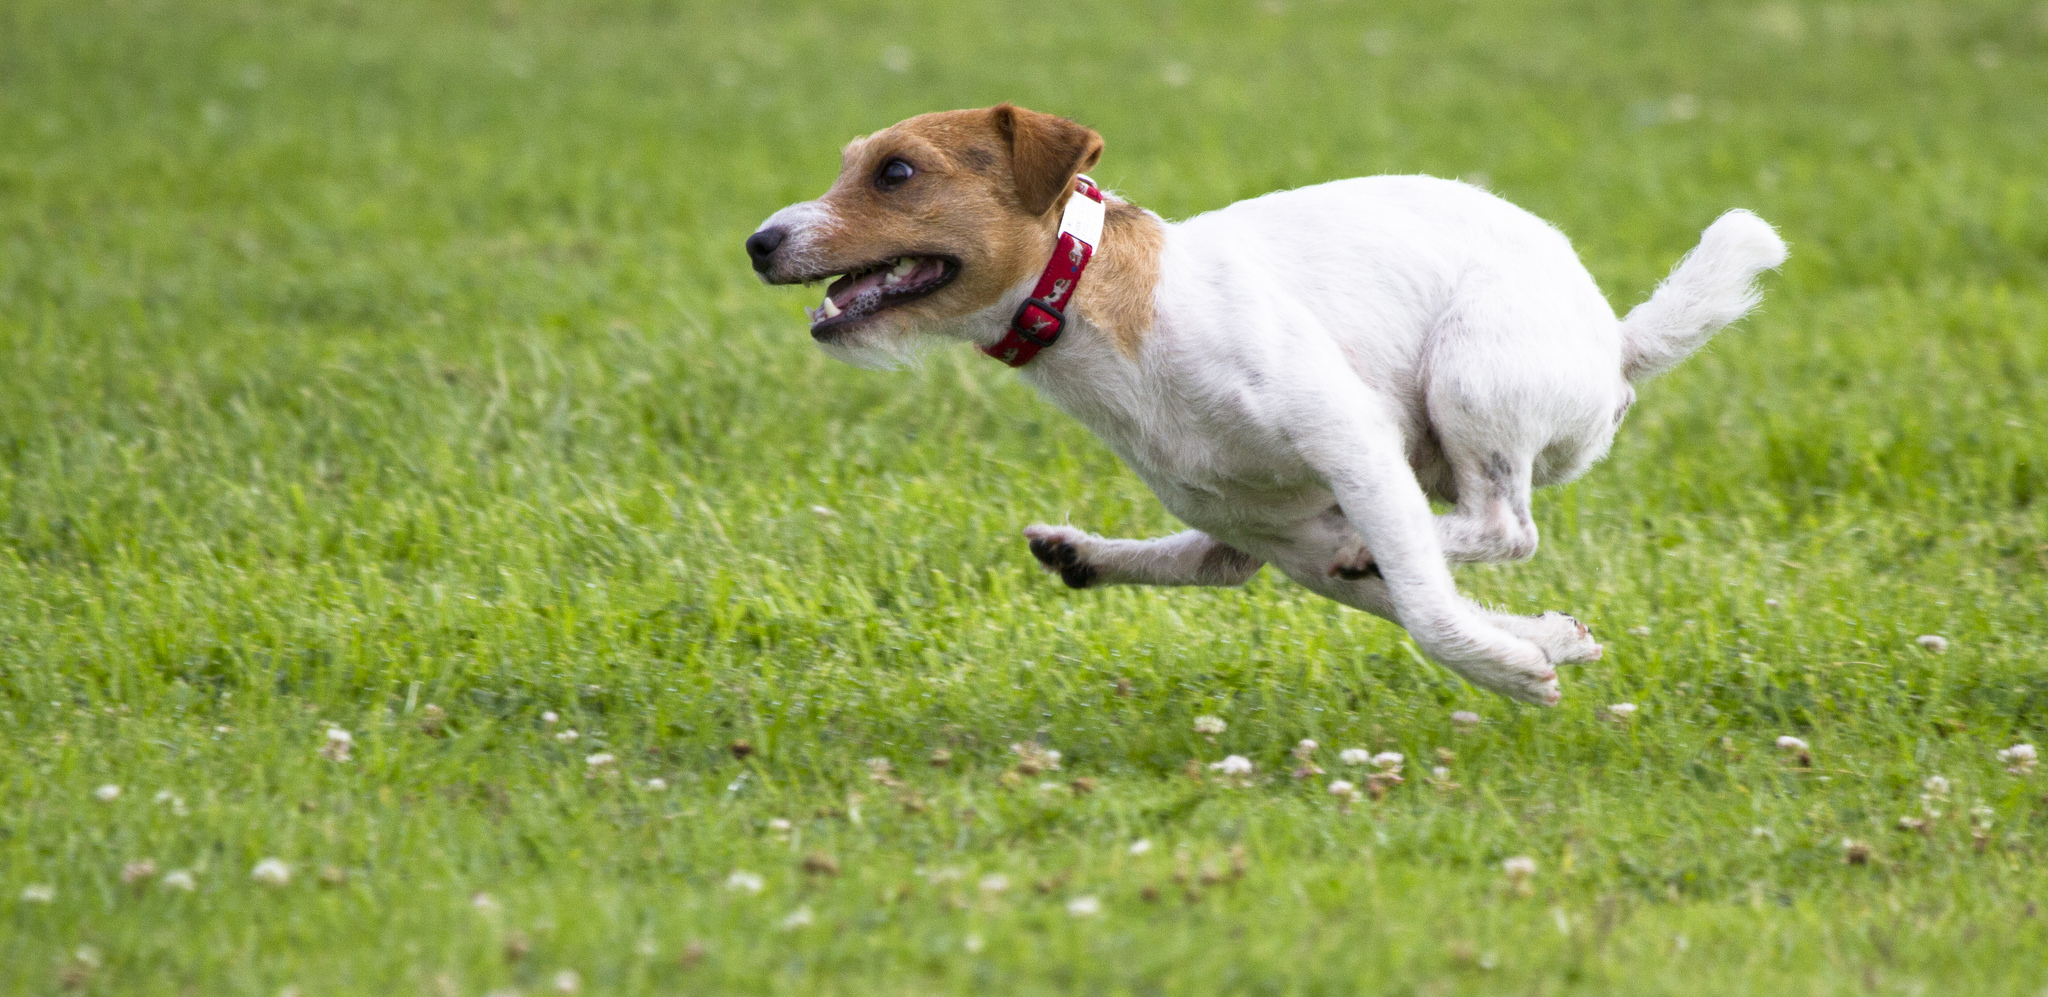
(395, 369)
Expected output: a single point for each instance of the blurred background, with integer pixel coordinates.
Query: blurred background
(358, 356)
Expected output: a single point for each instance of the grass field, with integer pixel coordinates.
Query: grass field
(396, 368)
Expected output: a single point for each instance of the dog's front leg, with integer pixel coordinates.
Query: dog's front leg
(1084, 560)
(1359, 453)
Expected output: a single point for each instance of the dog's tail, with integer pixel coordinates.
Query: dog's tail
(1713, 285)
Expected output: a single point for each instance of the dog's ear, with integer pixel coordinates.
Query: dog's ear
(1045, 153)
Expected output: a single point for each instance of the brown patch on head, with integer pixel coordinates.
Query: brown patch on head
(983, 193)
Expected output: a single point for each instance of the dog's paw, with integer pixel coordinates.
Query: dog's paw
(1353, 562)
(1502, 662)
(1566, 640)
(1538, 686)
(1541, 689)
(1058, 550)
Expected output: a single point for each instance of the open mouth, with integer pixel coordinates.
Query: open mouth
(864, 293)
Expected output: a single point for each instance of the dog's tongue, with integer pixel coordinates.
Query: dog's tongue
(907, 270)
(845, 289)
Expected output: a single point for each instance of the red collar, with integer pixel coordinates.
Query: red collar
(1040, 319)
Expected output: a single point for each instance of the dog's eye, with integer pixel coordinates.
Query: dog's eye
(893, 173)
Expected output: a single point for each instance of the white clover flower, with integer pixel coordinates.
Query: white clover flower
(972, 943)
(1936, 785)
(568, 736)
(1519, 868)
(271, 872)
(1982, 815)
(1033, 758)
(179, 879)
(1932, 643)
(742, 881)
(163, 796)
(38, 893)
(1141, 846)
(1622, 711)
(549, 717)
(1210, 726)
(138, 871)
(337, 745)
(1440, 772)
(798, 918)
(1388, 760)
(568, 981)
(657, 784)
(1084, 907)
(1305, 748)
(1232, 765)
(600, 759)
(1465, 718)
(994, 882)
(1342, 790)
(781, 825)
(1787, 742)
(1355, 756)
(2019, 759)
(483, 901)
(107, 793)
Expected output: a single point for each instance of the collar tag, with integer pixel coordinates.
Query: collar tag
(1083, 217)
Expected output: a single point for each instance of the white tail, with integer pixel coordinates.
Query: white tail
(1713, 285)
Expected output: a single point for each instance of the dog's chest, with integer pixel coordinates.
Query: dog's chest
(1212, 456)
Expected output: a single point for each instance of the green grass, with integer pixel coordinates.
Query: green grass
(358, 356)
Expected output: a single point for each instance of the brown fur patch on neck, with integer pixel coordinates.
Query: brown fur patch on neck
(1116, 292)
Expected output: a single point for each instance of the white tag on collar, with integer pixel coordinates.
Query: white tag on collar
(1083, 217)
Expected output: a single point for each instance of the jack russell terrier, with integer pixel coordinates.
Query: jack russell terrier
(1296, 376)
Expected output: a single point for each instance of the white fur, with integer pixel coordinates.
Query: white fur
(1326, 360)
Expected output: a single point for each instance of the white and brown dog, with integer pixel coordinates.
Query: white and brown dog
(1296, 376)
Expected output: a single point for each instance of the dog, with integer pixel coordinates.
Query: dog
(1296, 376)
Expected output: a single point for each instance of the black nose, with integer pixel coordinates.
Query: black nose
(763, 244)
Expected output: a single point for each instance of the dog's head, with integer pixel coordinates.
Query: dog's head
(931, 221)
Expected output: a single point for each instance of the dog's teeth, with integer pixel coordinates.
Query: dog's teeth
(903, 268)
(891, 278)
(828, 309)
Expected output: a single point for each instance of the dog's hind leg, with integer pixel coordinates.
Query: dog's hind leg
(1084, 560)
(1563, 639)
(1359, 452)
(1492, 521)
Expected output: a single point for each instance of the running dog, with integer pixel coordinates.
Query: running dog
(1295, 376)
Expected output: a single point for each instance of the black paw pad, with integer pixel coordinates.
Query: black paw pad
(1060, 556)
(1055, 553)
